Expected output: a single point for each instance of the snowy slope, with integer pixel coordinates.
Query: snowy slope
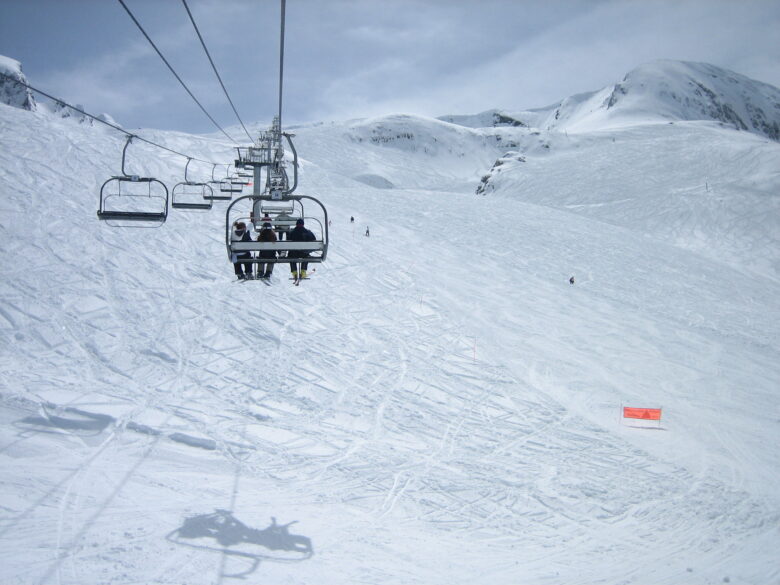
(407, 151)
(435, 405)
(696, 185)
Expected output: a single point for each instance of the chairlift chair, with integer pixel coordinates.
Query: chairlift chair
(191, 195)
(286, 250)
(275, 207)
(238, 180)
(283, 213)
(227, 186)
(216, 189)
(131, 200)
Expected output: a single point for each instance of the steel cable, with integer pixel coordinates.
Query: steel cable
(176, 75)
(214, 67)
(109, 124)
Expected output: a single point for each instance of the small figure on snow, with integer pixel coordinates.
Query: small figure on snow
(299, 234)
(352, 219)
(267, 234)
(243, 270)
(571, 280)
(367, 232)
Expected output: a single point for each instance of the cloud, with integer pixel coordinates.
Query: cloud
(582, 50)
(127, 79)
(354, 58)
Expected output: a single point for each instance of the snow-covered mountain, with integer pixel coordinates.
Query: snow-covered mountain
(19, 96)
(613, 131)
(437, 404)
(664, 91)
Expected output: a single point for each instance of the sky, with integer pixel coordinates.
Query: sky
(349, 59)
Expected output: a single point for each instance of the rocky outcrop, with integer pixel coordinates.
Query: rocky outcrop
(13, 93)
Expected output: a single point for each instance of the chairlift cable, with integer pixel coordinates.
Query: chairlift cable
(176, 75)
(97, 119)
(214, 67)
(281, 62)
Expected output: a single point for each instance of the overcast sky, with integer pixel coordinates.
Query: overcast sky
(357, 58)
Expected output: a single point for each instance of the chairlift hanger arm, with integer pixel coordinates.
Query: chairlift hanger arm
(289, 136)
(124, 152)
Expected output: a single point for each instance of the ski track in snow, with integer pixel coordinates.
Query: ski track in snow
(429, 410)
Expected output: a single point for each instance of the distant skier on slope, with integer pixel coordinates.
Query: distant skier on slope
(299, 234)
(267, 234)
(243, 270)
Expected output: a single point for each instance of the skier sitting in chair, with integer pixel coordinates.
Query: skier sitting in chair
(299, 234)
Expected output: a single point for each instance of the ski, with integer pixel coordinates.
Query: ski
(297, 279)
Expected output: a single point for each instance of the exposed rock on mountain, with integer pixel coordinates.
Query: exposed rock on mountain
(12, 93)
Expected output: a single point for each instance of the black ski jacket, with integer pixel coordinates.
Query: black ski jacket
(300, 234)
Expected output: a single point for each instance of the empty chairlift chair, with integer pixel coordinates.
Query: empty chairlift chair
(227, 185)
(191, 195)
(216, 192)
(132, 200)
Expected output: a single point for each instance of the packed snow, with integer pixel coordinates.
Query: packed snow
(437, 403)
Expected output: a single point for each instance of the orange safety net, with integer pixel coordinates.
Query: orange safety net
(643, 413)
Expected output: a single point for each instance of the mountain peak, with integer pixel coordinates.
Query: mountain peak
(667, 90)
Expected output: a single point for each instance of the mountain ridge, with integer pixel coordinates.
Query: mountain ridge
(656, 92)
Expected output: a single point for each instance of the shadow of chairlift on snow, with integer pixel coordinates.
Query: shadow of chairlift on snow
(73, 420)
(222, 532)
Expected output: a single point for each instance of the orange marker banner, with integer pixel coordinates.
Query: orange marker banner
(642, 413)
